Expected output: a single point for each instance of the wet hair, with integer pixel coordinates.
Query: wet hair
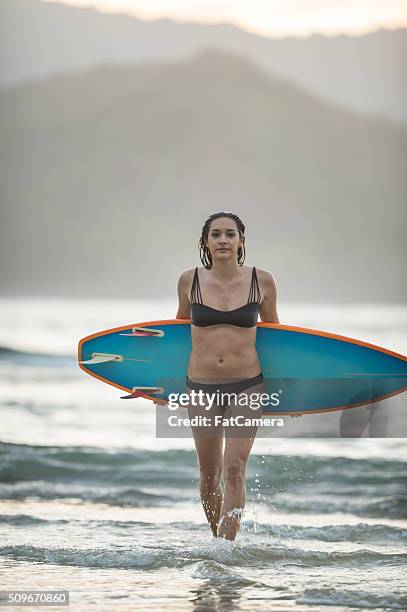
(204, 252)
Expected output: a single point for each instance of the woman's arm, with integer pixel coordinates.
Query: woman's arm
(184, 306)
(268, 306)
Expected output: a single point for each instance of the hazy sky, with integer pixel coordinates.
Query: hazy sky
(268, 17)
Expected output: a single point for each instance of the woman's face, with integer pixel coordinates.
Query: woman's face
(223, 239)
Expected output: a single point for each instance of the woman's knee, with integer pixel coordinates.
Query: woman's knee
(210, 476)
(235, 472)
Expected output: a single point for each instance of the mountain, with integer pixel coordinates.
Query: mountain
(363, 73)
(106, 178)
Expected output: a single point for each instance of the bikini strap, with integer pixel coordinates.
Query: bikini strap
(254, 295)
(195, 296)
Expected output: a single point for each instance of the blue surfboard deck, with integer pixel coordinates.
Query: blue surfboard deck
(311, 370)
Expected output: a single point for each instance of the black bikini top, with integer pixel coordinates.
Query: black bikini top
(245, 316)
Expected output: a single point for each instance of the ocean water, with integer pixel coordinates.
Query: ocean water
(91, 502)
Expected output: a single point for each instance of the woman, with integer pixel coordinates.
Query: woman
(224, 359)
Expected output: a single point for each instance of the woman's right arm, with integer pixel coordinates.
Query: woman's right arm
(184, 306)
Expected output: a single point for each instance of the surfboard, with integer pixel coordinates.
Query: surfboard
(308, 369)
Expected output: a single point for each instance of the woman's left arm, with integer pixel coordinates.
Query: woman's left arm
(268, 306)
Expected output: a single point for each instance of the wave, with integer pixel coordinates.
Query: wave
(352, 599)
(165, 491)
(341, 470)
(113, 496)
(168, 555)
(218, 573)
(365, 487)
(24, 462)
(26, 520)
(16, 356)
(394, 507)
(362, 532)
(20, 462)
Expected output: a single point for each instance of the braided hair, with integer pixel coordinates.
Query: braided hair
(204, 252)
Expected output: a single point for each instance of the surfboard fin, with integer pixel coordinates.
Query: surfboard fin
(102, 358)
(145, 331)
(141, 392)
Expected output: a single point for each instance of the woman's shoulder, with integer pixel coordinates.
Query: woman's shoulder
(186, 276)
(264, 273)
(266, 279)
(188, 272)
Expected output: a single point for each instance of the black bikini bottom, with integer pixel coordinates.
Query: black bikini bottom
(230, 387)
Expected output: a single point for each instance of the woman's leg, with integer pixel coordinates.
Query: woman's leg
(238, 444)
(209, 450)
